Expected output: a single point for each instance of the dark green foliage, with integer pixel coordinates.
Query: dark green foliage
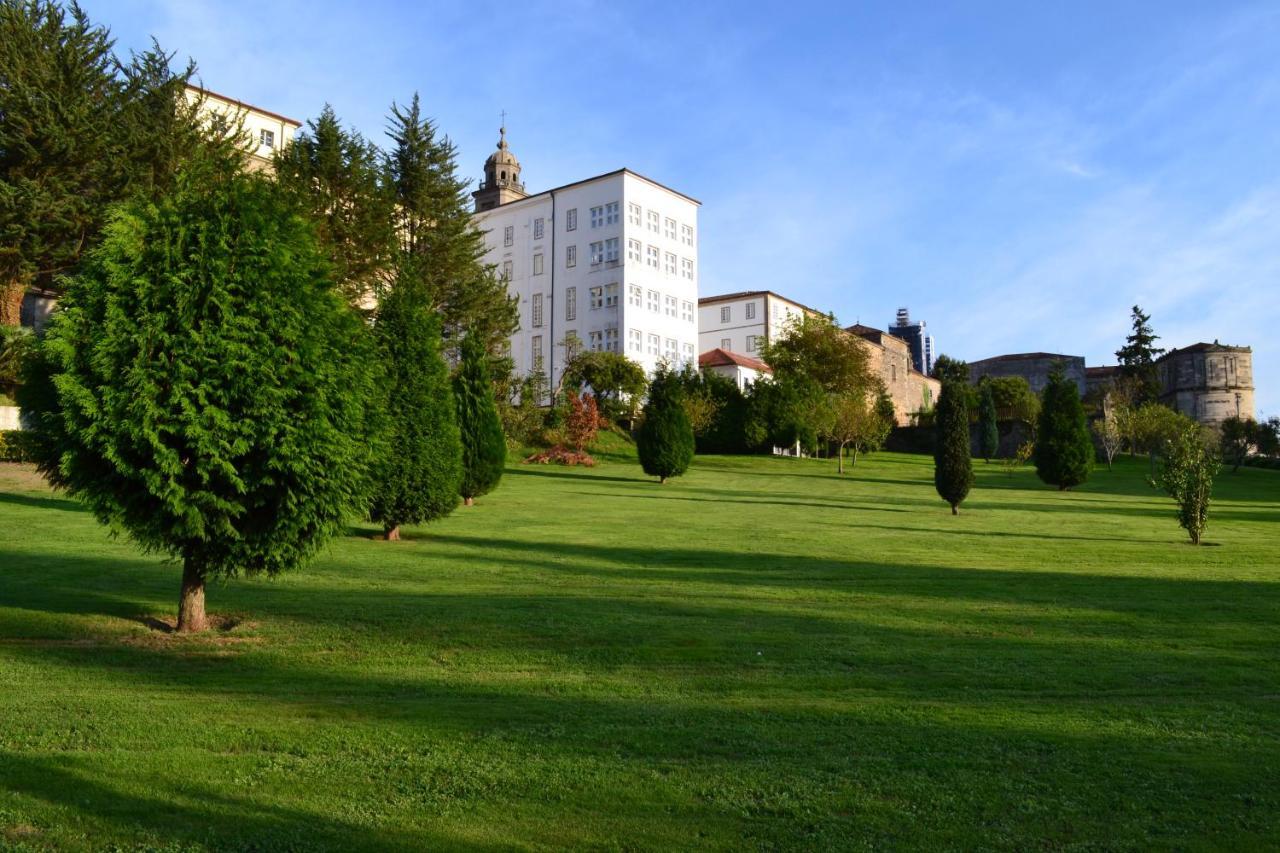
(202, 387)
(418, 478)
(948, 369)
(1013, 398)
(484, 447)
(614, 380)
(1138, 360)
(885, 409)
(988, 429)
(1064, 448)
(336, 178)
(664, 441)
(17, 445)
(783, 411)
(952, 467)
(435, 230)
(717, 411)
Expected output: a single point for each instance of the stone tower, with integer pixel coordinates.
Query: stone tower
(501, 182)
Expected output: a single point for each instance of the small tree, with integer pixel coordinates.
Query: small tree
(664, 441)
(1186, 475)
(1107, 431)
(418, 479)
(1064, 449)
(953, 468)
(615, 381)
(988, 428)
(1239, 436)
(203, 388)
(484, 447)
(857, 423)
(581, 421)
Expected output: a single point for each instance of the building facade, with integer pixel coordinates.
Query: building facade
(263, 132)
(610, 261)
(744, 322)
(1034, 367)
(889, 357)
(923, 352)
(1208, 382)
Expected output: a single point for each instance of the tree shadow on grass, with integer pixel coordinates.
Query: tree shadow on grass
(584, 474)
(63, 504)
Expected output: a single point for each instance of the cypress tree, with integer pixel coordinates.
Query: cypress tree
(484, 447)
(418, 478)
(988, 429)
(665, 440)
(202, 387)
(1064, 448)
(952, 467)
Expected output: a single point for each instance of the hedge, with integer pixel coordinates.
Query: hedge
(16, 446)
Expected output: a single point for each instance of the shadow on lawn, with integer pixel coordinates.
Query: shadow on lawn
(63, 504)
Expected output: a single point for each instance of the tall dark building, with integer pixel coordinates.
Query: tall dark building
(922, 350)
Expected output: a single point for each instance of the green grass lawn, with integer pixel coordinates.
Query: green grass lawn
(760, 654)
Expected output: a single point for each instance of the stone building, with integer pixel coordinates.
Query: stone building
(891, 358)
(1098, 379)
(1208, 382)
(1034, 367)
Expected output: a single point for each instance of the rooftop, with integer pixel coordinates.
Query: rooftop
(724, 358)
(614, 173)
(209, 93)
(746, 294)
(1026, 356)
(1203, 347)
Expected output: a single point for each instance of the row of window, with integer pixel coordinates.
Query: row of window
(659, 224)
(601, 216)
(606, 296)
(726, 313)
(753, 343)
(606, 340)
(606, 252)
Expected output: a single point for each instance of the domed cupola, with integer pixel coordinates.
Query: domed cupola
(501, 182)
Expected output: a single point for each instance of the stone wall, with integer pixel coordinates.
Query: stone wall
(890, 359)
(1033, 367)
(1208, 382)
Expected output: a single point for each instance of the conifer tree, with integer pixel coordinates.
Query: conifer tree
(1138, 359)
(665, 442)
(336, 177)
(417, 479)
(484, 447)
(202, 387)
(988, 428)
(952, 467)
(1064, 448)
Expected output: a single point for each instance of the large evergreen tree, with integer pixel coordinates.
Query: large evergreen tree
(417, 479)
(952, 466)
(1064, 448)
(1138, 359)
(203, 388)
(988, 428)
(435, 229)
(484, 447)
(336, 177)
(665, 442)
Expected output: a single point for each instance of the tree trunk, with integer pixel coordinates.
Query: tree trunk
(955, 510)
(662, 481)
(468, 501)
(191, 617)
(840, 464)
(392, 533)
(11, 302)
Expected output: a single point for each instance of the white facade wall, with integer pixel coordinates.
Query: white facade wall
(621, 304)
(744, 324)
(279, 131)
(743, 377)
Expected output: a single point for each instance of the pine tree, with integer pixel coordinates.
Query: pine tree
(336, 177)
(435, 229)
(202, 387)
(418, 478)
(484, 447)
(1138, 359)
(1064, 448)
(664, 442)
(952, 467)
(988, 428)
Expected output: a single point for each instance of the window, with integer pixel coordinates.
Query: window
(537, 352)
(611, 340)
(611, 250)
(267, 138)
(633, 250)
(653, 221)
(597, 297)
(537, 264)
(669, 263)
(571, 303)
(724, 313)
(571, 219)
(508, 235)
(635, 340)
(686, 311)
(893, 373)
(651, 256)
(633, 213)
(655, 344)
(669, 228)
(726, 343)
(537, 228)
(686, 268)
(751, 310)
(597, 253)
(570, 256)
(597, 216)
(686, 234)
(611, 213)
(611, 295)
(595, 340)
(635, 295)
(687, 351)
(669, 305)
(671, 350)
(506, 270)
(651, 301)
(751, 343)
(536, 310)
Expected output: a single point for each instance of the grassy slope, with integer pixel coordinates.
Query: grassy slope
(757, 654)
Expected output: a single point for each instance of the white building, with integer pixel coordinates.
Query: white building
(743, 322)
(744, 370)
(611, 260)
(263, 132)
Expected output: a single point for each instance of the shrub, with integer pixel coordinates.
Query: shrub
(17, 445)
(953, 468)
(1064, 448)
(1186, 475)
(664, 441)
(484, 447)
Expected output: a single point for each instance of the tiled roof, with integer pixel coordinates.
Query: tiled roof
(724, 358)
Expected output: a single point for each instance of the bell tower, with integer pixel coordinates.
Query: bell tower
(501, 182)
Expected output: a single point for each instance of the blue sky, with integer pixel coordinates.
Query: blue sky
(1018, 174)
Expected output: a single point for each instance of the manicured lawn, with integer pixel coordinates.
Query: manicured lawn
(759, 654)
